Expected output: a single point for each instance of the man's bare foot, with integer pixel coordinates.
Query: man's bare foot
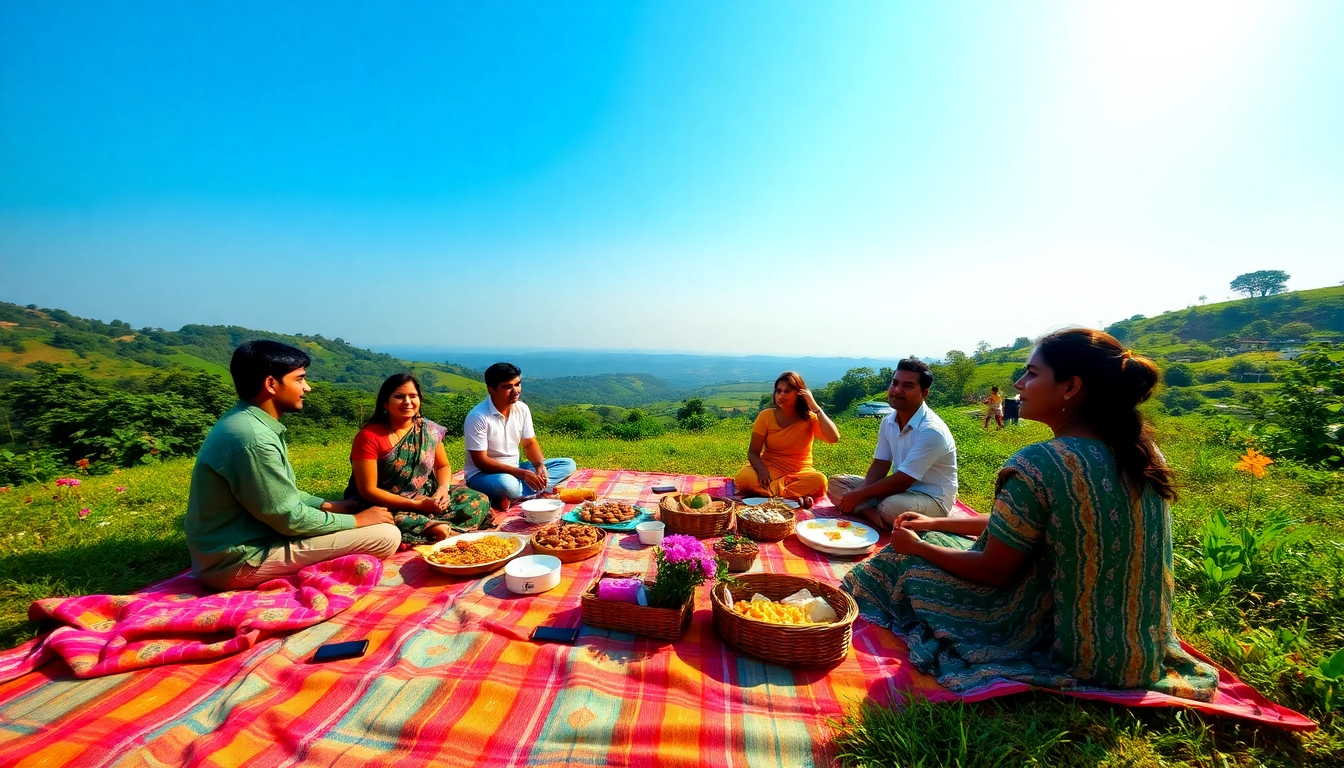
(437, 531)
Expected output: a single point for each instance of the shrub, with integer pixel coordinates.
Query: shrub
(1178, 400)
(1178, 375)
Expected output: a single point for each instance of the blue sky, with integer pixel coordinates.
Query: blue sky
(850, 178)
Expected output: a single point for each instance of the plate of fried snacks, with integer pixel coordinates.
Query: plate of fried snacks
(837, 536)
(612, 515)
(472, 554)
(571, 542)
(799, 609)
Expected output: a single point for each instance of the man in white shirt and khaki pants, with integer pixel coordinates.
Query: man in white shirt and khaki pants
(918, 444)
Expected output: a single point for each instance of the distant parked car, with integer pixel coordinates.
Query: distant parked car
(874, 408)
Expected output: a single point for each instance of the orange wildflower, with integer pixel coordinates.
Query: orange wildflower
(1253, 463)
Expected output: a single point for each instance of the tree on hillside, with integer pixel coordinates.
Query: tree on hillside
(1178, 375)
(1294, 330)
(1266, 282)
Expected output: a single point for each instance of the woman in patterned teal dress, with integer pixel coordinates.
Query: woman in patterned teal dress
(1068, 583)
(398, 461)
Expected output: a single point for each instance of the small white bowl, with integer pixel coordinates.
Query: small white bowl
(532, 574)
(537, 511)
(650, 532)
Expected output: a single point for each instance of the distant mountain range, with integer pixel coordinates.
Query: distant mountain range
(676, 370)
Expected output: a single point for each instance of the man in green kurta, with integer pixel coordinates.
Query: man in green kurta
(247, 522)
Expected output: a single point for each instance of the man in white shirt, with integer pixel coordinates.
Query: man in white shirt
(495, 433)
(918, 444)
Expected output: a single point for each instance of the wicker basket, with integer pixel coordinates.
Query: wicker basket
(697, 524)
(766, 531)
(810, 645)
(737, 561)
(659, 623)
(570, 555)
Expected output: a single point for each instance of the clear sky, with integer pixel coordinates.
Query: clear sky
(848, 178)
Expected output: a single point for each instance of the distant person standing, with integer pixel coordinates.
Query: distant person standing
(247, 522)
(994, 407)
(496, 433)
(915, 446)
(1012, 407)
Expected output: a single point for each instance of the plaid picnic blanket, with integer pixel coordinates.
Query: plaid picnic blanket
(176, 622)
(452, 679)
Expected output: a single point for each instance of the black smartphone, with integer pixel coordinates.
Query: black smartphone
(555, 634)
(347, 650)
(664, 488)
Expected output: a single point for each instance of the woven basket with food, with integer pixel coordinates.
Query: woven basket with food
(696, 514)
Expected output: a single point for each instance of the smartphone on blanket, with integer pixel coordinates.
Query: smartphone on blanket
(347, 650)
(664, 488)
(555, 634)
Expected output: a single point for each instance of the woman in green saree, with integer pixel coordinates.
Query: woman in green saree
(398, 461)
(1068, 583)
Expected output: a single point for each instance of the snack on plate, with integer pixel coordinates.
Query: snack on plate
(607, 512)
(765, 513)
(568, 536)
(483, 550)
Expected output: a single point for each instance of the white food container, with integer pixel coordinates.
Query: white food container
(650, 532)
(538, 511)
(532, 574)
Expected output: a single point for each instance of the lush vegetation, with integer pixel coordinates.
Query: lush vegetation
(1260, 580)
(1260, 556)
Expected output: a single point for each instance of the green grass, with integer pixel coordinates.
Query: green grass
(191, 361)
(133, 538)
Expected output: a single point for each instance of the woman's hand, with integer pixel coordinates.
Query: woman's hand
(812, 406)
(906, 541)
(913, 521)
(440, 497)
(427, 504)
(763, 477)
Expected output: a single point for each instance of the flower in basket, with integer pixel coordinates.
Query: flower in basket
(682, 565)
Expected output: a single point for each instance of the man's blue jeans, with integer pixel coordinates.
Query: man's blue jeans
(499, 485)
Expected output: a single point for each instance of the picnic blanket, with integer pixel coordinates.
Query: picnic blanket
(452, 679)
(178, 620)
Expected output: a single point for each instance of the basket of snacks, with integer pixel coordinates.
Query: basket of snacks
(571, 542)
(786, 620)
(625, 616)
(737, 552)
(696, 514)
(771, 521)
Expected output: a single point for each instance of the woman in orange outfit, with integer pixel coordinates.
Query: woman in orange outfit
(780, 456)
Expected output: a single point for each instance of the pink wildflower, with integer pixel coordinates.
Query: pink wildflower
(121, 489)
(83, 513)
(70, 481)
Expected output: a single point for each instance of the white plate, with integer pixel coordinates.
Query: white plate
(476, 569)
(840, 552)
(837, 534)
(756, 501)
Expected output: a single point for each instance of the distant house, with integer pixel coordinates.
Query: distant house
(1252, 345)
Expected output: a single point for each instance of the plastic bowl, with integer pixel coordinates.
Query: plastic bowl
(532, 574)
(650, 532)
(537, 511)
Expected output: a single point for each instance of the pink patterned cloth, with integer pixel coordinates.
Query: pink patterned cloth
(179, 621)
